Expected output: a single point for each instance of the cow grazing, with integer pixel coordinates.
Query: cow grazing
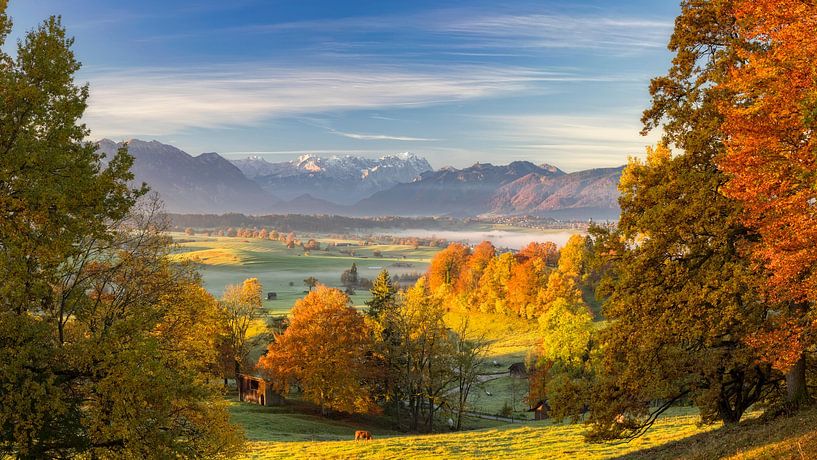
(361, 435)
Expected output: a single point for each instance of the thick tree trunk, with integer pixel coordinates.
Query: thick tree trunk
(796, 389)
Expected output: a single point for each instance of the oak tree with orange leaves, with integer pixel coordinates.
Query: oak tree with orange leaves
(771, 161)
(447, 264)
(327, 350)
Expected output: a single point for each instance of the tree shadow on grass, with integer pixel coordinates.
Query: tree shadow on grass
(783, 437)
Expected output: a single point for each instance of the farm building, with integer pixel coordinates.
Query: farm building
(540, 410)
(257, 390)
(272, 295)
(518, 370)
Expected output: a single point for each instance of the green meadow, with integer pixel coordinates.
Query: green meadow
(222, 261)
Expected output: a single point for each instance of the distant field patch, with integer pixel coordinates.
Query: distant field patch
(210, 257)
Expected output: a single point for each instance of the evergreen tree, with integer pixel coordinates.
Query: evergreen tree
(384, 294)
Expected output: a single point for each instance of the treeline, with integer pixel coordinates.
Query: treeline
(309, 223)
(522, 283)
(289, 237)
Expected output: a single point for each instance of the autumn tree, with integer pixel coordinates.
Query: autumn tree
(523, 287)
(565, 281)
(326, 350)
(446, 265)
(546, 251)
(241, 305)
(769, 127)
(419, 355)
(683, 297)
(493, 285)
(88, 289)
(481, 255)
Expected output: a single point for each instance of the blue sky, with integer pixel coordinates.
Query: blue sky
(559, 82)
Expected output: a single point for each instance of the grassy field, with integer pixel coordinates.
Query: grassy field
(528, 440)
(224, 261)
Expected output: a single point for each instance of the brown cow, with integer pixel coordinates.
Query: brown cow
(362, 435)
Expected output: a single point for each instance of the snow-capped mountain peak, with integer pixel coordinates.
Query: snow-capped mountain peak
(338, 177)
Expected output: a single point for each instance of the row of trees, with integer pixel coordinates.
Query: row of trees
(399, 356)
(522, 284)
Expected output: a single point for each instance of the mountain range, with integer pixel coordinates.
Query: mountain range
(403, 184)
(343, 179)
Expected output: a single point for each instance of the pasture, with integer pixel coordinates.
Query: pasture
(222, 261)
(522, 440)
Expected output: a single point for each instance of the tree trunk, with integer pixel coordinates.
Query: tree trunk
(796, 389)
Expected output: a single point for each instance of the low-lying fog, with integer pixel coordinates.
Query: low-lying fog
(500, 238)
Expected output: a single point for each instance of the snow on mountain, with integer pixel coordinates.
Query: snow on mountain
(342, 179)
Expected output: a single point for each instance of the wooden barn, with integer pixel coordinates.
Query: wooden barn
(518, 370)
(541, 410)
(257, 390)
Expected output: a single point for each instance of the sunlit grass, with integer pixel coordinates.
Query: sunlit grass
(530, 440)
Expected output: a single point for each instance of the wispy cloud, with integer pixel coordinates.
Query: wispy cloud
(166, 101)
(572, 142)
(543, 31)
(467, 31)
(481, 32)
(380, 137)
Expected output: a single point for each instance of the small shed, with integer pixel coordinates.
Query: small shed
(541, 410)
(518, 370)
(272, 295)
(257, 390)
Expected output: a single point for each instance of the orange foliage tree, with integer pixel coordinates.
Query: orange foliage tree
(327, 350)
(481, 256)
(447, 264)
(771, 161)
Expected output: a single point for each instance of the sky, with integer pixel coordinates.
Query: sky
(458, 82)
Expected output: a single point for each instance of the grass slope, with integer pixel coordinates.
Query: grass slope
(792, 437)
(529, 440)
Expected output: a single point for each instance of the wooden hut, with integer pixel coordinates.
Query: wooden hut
(518, 370)
(541, 410)
(272, 295)
(257, 390)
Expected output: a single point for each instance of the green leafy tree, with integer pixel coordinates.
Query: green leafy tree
(349, 277)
